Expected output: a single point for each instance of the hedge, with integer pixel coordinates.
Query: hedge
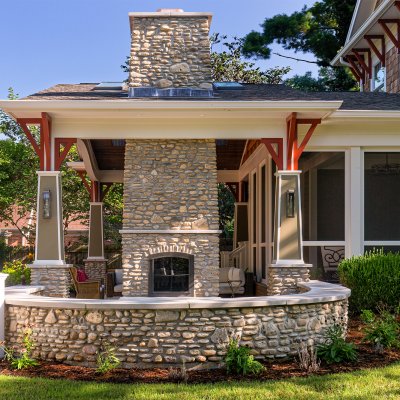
(374, 280)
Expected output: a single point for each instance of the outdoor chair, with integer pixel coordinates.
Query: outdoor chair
(331, 257)
(231, 281)
(88, 289)
(114, 283)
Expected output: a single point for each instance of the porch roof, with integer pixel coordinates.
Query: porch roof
(249, 92)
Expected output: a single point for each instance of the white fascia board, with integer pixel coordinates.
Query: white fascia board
(13, 106)
(353, 20)
(372, 20)
(365, 114)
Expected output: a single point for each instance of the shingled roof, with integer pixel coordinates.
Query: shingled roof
(249, 92)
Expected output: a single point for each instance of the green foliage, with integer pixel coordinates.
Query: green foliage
(239, 360)
(381, 330)
(226, 209)
(329, 80)
(374, 279)
(320, 29)
(24, 360)
(18, 273)
(107, 360)
(228, 65)
(335, 349)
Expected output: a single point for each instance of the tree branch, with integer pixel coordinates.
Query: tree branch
(296, 59)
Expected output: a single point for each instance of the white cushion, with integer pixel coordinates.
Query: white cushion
(118, 276)
(118, 288)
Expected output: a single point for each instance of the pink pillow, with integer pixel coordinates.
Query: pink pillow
(81, 276)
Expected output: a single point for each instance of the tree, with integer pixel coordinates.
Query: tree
(228, 65)
(320, 29)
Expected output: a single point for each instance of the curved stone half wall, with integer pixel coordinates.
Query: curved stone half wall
(165, 331)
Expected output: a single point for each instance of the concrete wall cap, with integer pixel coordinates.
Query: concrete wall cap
(318, 292)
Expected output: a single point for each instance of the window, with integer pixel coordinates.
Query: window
(171, 275)
(379, 78)
(381, 194)
(323, 208)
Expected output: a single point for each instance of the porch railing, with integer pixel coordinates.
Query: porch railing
(239, 257)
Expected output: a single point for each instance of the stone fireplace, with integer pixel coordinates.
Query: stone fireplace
(170, 215)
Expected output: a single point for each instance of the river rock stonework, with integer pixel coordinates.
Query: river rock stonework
(144, 337)
(170, 49)
(285, 279)
(56, 280)
(170, 197)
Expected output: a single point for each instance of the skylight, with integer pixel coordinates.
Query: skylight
(227, 85)
(109, 86)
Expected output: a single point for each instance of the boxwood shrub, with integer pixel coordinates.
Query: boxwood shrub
(374, 280)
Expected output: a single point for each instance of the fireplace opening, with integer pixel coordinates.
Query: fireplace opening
(171, 275)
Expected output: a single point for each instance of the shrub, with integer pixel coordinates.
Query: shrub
(18, 273)
(24, 360)
(308, 360)
(382, 330)
(373, 279)
(336, 349)
(239, 360)
(178, 374)
(107, 360)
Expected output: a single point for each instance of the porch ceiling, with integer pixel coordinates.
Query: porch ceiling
(110, 156)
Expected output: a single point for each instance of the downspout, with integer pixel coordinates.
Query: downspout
(346, 64)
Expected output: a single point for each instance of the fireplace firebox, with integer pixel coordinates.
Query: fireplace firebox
(171, 274)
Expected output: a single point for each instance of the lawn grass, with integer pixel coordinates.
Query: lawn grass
(382, 383)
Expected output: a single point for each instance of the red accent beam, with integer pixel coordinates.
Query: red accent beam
(379, 53)
(359, 73)
(43, 148)
(294, 152)
(367, 66)
(59, 156)
(103, 192)
(277, 156)
(384, 23)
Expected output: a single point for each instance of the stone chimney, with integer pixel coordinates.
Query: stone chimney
(170, 53)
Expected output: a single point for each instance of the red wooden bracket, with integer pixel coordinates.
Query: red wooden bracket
(277, 156)
(395, 40)
(359, 73)
(294, 151)
(397, 4)
(104, 191)
(43, 148)
(93, 188)
(379, 53)
(366, 66)
(59, 156)
(234, 188)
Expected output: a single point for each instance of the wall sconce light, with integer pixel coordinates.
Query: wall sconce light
(46, 195)
(290, 203)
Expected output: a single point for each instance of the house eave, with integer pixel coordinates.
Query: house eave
(161, 109)
(352, 42)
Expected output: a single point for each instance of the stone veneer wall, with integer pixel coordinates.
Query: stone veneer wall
(392, 71)
(284, 280)
(171, 51)
(56, 280)
(170, 185)
(144, 337)
(96, 269)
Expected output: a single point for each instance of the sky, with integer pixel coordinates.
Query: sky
(45, 42)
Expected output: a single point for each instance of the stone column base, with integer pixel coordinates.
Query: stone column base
(283, 279)
(56, 279)
(96, 269)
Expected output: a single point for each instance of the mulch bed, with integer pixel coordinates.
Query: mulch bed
(275, 370)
